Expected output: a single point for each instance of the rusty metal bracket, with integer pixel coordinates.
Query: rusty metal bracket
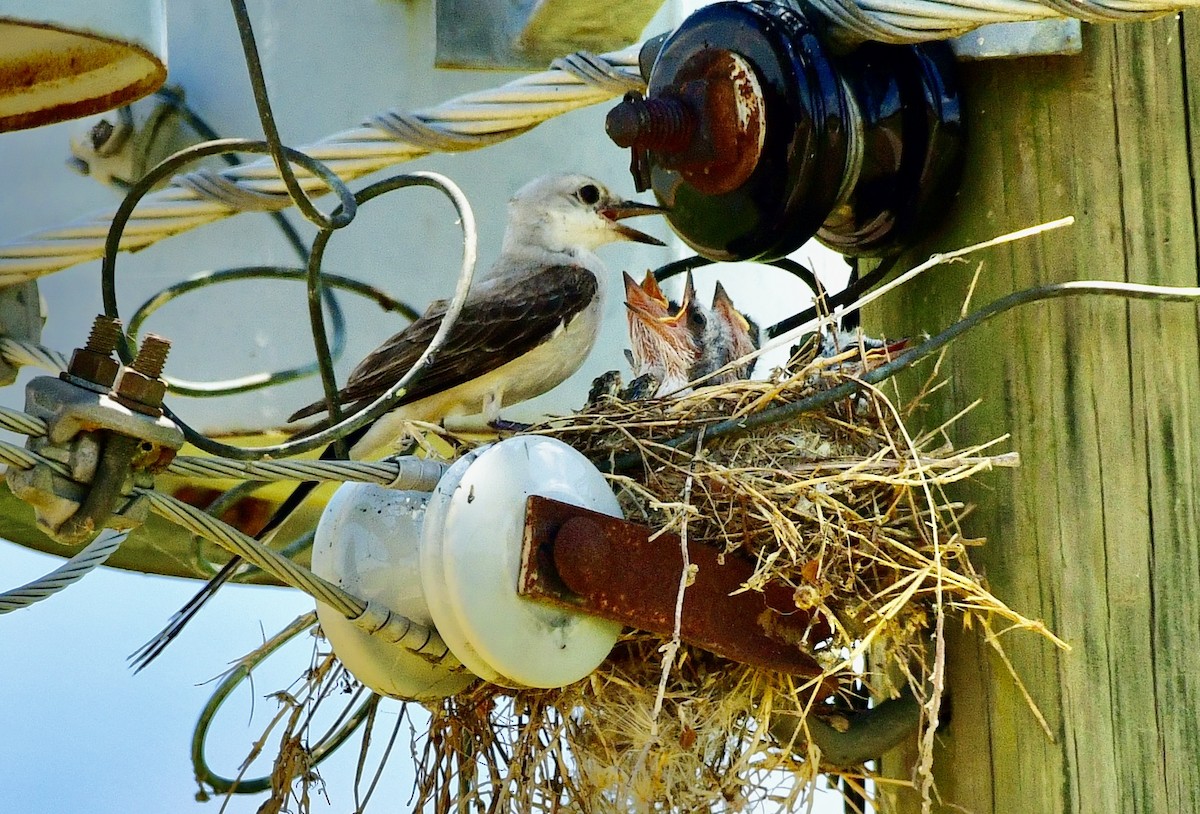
(623, 571)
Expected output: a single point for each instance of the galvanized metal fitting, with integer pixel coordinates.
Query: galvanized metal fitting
(107, 442)
(93, 366)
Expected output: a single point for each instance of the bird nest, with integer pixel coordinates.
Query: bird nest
(840, 504)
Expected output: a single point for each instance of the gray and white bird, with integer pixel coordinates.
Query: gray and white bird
(527, 324)
(722, 334)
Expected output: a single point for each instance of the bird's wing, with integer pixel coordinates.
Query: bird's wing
(503, 319)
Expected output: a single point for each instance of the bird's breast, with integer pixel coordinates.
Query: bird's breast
(533, 373)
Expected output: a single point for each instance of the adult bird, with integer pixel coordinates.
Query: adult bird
(526, 325)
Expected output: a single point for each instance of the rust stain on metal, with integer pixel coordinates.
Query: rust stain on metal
(709, 126)
(611, 568)
(732, 122)
(47, 57)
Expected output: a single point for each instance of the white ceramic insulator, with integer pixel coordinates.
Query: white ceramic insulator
(366, 543)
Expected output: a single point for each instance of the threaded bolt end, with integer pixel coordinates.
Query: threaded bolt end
(106, 332)
(152, 356)
(664, 125)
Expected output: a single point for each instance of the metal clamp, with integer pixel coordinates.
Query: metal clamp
(107, 440)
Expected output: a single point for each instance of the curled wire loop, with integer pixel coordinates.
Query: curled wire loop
(349, 202)
(116, 240)
(315, 289)
(282, 156)
(317, 752)
(258, 381)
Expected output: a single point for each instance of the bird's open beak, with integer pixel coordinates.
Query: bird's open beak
(632, 209)
(723, 305)
(650, 286)
(643, 301)
(671, 328)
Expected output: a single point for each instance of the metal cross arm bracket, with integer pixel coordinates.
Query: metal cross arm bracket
(623, 571)
(105, 442)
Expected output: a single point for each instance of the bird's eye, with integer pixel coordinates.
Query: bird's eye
(696, 319)
(588, 193)
(100, 133)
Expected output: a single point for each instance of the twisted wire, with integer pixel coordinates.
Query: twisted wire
(20, 352)
(24, 423)
(87, 560)
(912, 21)
(597, 71)
(480, 117)
(398, 473)
(215, 186)
(407, 472)
(22, 458)
(371, 617)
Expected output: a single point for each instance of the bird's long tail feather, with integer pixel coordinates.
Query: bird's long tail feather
(152, 649)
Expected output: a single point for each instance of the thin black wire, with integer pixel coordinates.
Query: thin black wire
(257, 381)
(316, 290)
(164, 169)
(803, 272)
(282, 156)
(112, 246)
(177, 103)
(734, 427)
(844, 297)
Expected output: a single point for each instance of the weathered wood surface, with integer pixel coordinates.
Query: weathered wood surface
(1098, 533)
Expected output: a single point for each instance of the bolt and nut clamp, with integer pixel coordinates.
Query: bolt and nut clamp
(109, 440)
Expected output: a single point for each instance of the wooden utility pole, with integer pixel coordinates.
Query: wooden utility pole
(1098, 532)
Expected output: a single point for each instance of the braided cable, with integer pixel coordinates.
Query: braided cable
(912, 21)
(372, 617)
(406, 472)
(397, 473)
(368, 616)
(20, 352)
(22, 458)
(17, 421)
(479, 118)
(208, 184)
(87, 560)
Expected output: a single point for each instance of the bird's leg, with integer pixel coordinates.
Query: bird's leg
(504, 425)
(407, 444)
(491, 406)
(491, 414)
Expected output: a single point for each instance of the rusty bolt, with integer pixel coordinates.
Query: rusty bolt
(92, 366)
(152, 356)
(654, 124)
(140, 387)
(140, 392)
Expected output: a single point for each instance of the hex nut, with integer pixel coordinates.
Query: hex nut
(94, 368)
(139, 392)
